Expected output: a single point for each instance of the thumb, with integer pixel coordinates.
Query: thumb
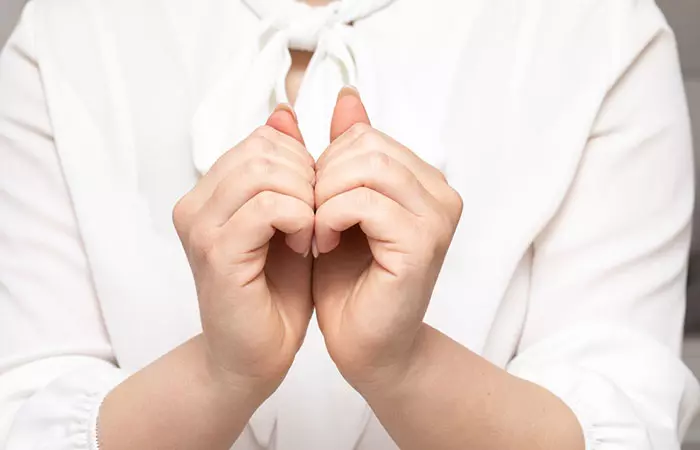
(284, 120)
(349, 110)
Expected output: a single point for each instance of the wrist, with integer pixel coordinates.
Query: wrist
(232, 387)
(181, 401)
(401, 375)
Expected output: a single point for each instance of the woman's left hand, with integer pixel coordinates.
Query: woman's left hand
(397, 216)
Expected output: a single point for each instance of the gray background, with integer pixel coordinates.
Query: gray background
(684, 16)
(9, 9)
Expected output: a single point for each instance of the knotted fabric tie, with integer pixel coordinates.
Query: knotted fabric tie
(255, 80)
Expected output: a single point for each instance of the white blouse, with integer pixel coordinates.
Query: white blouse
(563, 125)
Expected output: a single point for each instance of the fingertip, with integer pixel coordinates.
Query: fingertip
(326, 243)
(349, 91)
(285, 109)
(314, 247)
(349, 110)
(284, 119)
(301, 240)
(298, 244)
(289, 109)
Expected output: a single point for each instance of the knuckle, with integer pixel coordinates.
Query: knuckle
(455, 203)
(262, 132)
(259, 142)
(358, 130)
(266, 149)
(408, 180)
(259, 167)
(182, 211)
(378, 162)
(371, 140)
(365, 198)
(439, 174)
(265, 202)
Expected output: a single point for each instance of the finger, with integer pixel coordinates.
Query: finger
(346, 140)
(284, 120)
(379, 217)
(278, 151)
(255, 223)
(278, 142)
(379, 172)
(439, 193)
(257, 176)
(371, 140)
(349, 122)
(349, 110)
(287, 142)
(256, 146)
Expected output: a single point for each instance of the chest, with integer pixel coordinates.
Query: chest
(508, 139)
(462, 109)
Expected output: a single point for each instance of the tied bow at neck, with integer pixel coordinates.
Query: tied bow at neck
(255, 80)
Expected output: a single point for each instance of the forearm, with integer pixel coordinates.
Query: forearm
(178, 403)
(452, 398)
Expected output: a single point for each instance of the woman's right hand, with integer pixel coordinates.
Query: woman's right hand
(246, 228)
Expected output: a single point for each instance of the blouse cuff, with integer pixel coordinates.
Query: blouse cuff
(627, 391)
(604, 414)
(65, 412)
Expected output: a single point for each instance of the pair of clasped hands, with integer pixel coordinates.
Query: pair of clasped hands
(262, 233)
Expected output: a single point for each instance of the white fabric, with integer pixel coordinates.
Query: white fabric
(563, 126)
(255, 82)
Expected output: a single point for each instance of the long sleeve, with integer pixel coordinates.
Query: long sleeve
(607, 300)
(56, 362)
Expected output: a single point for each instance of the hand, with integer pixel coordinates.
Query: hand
(372, 286)
(246, 228)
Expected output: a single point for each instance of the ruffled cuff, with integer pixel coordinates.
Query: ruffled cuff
(603, 412)
(627, 391)
(63, 415)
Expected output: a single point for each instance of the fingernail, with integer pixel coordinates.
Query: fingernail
(288, 108)
(306, 255)
(348, 90)
(314, 247)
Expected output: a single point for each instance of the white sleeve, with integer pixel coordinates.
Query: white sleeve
(56, 362)
(604, 326)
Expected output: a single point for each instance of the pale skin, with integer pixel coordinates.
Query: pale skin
(381, 221)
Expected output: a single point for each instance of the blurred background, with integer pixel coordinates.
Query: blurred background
(684, 16)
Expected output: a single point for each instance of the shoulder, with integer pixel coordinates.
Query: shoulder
(608, 29)
(66, 33)
(571, 46)
(610, 33)
(70, 26)
(60, 20)
(610, 17)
